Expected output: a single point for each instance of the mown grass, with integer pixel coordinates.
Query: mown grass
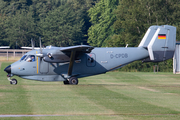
(114, 95)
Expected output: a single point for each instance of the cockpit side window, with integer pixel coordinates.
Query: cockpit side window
(30, 58)
(24, 56)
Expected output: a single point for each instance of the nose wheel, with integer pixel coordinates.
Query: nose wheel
(12, 81)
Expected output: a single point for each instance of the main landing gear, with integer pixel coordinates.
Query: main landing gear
(71, 81)
(12, 81)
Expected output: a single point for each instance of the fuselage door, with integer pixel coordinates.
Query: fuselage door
(91, 60)
(43, 66)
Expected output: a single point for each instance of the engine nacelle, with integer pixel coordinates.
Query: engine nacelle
(56, 58)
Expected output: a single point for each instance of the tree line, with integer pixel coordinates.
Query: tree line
(99, 23)
(57, 22)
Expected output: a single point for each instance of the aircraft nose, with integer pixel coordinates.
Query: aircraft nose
(8, 69)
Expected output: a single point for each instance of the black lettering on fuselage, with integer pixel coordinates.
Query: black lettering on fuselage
(120, 55)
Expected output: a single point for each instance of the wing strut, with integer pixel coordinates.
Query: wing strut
(72, 58)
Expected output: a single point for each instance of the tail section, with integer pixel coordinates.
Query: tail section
(148, 36)
(160, 42)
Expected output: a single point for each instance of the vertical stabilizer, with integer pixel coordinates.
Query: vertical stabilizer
(162, 45)
(148, 36)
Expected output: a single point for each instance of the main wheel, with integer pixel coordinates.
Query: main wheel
(13, 82)
(66, 82)
(73, 81)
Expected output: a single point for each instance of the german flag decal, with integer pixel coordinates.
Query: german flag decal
(161, 36)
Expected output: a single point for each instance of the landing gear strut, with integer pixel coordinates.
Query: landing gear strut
(12, 81)
(71, 81)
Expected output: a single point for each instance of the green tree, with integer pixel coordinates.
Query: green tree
(133, 19)
(63, 26)
(24, 19)
(9, 7)
(135, 16)
(20, 28)
(3, 34)
(102, 19)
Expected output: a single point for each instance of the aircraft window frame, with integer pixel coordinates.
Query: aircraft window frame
(23, 57)
(29, 58)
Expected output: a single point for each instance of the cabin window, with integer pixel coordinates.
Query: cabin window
(24, 56)
(30, 58)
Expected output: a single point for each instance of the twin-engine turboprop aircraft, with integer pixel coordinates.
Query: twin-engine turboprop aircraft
(67, 64)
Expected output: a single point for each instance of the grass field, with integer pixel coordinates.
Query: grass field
(114, 95)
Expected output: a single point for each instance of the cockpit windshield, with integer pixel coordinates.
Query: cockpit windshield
(30, 58)
(24, 56)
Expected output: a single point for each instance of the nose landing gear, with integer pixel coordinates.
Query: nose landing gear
(12, 81)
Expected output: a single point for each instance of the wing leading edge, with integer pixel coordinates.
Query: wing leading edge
(79, 48)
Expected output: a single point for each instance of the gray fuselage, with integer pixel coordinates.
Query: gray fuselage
(100, 60)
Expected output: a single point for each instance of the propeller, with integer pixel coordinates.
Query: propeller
(40, 45)
(32, 43)
(40, 54)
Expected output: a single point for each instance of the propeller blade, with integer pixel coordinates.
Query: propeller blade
(40, 54)
(32, 43)
(40, 45)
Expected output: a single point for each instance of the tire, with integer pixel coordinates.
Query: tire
(66, 82)
(13, 82)
(73, 81)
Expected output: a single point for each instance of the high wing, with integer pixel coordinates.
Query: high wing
(74, 50)
(79, 48)
(63, 54)
(4, 47)
(30, 48)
